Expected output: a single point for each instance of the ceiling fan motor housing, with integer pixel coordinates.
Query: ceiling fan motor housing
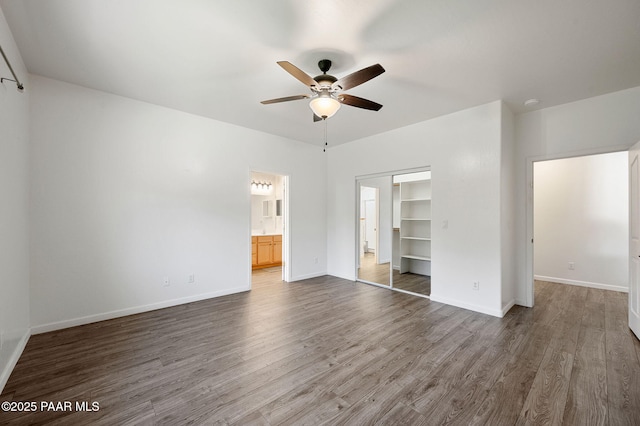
(324, 80)
(324, 65)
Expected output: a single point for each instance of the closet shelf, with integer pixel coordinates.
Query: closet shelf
(415, 256)
(415, 226)
(412, 200)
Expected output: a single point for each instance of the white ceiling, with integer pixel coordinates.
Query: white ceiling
(218, 58)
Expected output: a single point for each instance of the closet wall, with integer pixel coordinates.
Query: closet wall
(464, 151)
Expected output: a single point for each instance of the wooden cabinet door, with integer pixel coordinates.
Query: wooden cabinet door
(265, 252)
(254, 251)
(277, 252)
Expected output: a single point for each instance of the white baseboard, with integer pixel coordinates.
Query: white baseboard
(44, 328)
(476, 308)
(307, 276)
(13, 359)
(507, 307)
(582, 283)
(522, 303)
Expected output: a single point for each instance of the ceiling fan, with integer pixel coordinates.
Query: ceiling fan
(326, 90)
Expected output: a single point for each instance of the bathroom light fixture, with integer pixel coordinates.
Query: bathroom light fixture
(261, 186)
(324, 105)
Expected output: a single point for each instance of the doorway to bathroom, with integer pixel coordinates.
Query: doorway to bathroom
(269, 231)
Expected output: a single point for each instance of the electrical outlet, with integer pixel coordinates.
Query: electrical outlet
(1, 339)
(315, 260)
(166, 282)
(572, 266)
(192, 278)
(476, 285)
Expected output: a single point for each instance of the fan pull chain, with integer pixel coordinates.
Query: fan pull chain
(325, 135)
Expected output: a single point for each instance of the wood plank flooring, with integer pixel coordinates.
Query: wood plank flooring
(379, 273)
(330, 351)
(415, 283)
(370, 271)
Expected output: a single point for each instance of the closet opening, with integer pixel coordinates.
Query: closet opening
(394, 213)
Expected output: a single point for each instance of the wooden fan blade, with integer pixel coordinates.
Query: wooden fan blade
(359, 102)
(285, 99)
(358, 77)
(316, 118)
(302, 76)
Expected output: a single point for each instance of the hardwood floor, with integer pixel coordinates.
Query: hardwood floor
(266, 276)
(379, 273)
(415, 283)
(330, 351)
(370, 271)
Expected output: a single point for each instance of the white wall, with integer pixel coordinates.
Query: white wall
(581, 215)
(125, 193)
(14, 212)
(463, 150)
(601, 124)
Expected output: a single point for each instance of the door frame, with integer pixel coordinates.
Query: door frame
(634, 249)
(529, 287)
(376, 208)
(358, 190)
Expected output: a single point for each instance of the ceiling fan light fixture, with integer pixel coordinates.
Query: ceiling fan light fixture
(324, 105)
(326, 90)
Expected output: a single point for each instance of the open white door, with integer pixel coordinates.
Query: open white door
(634, 239)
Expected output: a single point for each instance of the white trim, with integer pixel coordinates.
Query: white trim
(286, 229)
(308, 276)
(395, 172)
(13, 359)
(44, 328)
(508, 306)
(521, 302)
(344, 277)
(399, 290)
(476, 308)
(582, 283)
(385, 286)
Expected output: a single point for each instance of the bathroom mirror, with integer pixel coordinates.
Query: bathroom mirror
(374, 230)
(267, 209)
